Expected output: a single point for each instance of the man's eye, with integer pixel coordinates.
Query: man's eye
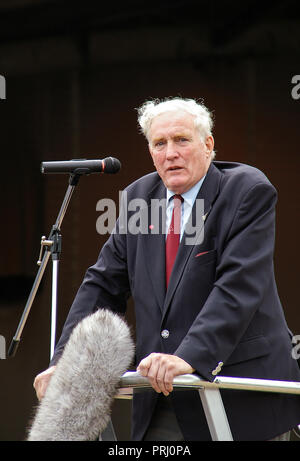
(159, 143)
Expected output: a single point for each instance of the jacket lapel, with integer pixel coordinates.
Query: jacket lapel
(208, 193)
(154, 242)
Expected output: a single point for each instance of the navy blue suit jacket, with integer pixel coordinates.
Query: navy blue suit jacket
(221, 304)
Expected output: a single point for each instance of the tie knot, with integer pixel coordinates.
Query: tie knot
(177, 199)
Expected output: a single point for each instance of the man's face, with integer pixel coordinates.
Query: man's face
(180, 157)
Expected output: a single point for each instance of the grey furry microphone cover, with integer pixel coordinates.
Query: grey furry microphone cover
(78, 400)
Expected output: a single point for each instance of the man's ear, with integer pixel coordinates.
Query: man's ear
(209, 143)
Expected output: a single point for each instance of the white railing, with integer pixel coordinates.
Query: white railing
(210, 395)
(133, 380)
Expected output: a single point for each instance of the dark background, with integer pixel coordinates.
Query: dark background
(75, 72)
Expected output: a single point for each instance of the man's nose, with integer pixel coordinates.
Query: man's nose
(171, 151)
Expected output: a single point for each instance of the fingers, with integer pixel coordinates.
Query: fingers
(41, 382)
(161, 370)
(154, 367)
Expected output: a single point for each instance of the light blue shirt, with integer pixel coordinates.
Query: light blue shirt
(189, 200)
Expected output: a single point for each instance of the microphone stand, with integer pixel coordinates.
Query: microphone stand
(52, 246)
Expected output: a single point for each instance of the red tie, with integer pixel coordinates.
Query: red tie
(173, 237)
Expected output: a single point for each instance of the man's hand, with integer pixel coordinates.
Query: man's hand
(161, 369)
(41, 382)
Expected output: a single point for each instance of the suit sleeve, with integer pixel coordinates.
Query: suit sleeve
(243, 275)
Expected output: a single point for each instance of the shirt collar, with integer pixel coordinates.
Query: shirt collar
(189, 196)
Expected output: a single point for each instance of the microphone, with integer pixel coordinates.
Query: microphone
(80, 393)
(108, 165)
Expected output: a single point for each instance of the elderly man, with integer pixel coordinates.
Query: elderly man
(203, 284)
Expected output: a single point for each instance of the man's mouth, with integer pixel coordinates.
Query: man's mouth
(174, 168)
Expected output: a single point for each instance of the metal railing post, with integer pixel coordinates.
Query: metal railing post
(215, 415)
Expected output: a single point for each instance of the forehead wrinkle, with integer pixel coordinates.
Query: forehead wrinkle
(177, 121)
(172, 132)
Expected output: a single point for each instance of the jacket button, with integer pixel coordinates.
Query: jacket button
(165, 334)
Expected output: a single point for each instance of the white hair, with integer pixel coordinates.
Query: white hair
(151, 109)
